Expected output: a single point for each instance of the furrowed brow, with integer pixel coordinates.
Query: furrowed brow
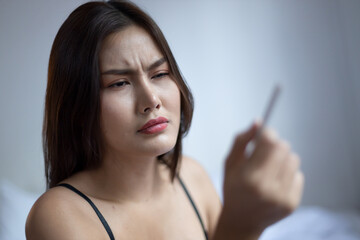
(129, 71)
(117, 72)
(156, 64)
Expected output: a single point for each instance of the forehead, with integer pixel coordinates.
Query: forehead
(130, 47)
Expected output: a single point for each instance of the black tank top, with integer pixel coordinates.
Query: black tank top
(106, 225)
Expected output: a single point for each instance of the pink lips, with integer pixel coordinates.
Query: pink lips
(154, 126)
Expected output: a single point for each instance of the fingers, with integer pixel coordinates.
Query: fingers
(268, 185)
(274, 164)
(296, 190)
(244, 138)
(292, 200)
(288, 170)
(270, 153)
(241, 140)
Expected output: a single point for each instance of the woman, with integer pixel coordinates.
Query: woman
(116, 110)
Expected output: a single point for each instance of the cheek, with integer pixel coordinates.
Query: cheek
(174, 105)
(173, 100)
(114, 115)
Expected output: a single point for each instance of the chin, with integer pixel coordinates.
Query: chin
(161, 146)
(160, 150)
(167, 150)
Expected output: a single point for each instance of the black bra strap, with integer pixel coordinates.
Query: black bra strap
(194, 206)
(105, 224)
(102, 219)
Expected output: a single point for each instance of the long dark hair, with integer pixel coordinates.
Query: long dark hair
(71, 129)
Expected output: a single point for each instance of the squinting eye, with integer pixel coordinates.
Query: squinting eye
(160, 75)
(118, 84)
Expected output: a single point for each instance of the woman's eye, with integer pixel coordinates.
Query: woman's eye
(118, 84)
(160, 75)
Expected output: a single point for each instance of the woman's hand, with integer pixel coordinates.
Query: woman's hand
(261, 189)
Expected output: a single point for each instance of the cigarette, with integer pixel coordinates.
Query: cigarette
(269, 109)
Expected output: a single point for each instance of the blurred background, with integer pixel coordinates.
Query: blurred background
(231, 53)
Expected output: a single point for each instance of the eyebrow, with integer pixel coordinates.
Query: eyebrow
(155, 64)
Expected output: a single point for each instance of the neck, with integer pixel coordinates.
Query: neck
(135, 179)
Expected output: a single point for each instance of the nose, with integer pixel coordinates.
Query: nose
(148, 99)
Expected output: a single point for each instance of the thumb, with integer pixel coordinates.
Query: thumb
(240, 143)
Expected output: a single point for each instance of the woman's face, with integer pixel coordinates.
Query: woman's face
(140, 101)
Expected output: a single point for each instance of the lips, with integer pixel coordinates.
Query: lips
(154, 126)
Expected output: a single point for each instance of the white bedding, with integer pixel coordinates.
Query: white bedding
(307, 223)
(316, 223)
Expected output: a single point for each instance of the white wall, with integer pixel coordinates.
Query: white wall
(231, 53)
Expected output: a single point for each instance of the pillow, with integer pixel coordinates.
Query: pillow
(15, 204)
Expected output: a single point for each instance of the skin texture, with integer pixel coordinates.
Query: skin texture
(131, 99)
(134, 191)
(259, 190)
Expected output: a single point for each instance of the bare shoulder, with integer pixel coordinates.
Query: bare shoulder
(56, 215)
(194, 173)
(200, 185)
